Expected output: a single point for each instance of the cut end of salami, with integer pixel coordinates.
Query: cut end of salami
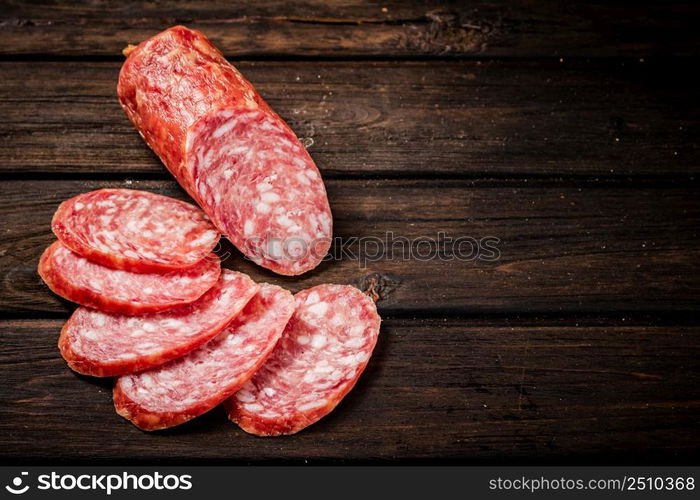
(80, 280)
(189, 386)
(135, 230)
(261, 188)
(105, 344)
(323, 350)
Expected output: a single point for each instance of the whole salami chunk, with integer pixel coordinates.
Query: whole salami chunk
(106, 344)
(323, 350)
(135, 230)
(80, 280)
(187, 387)
(228, 149)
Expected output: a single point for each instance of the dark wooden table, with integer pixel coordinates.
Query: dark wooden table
(567, 131)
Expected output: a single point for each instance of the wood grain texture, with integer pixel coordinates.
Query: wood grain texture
(505, 118)
(359, 28)
(464, 390)
(562, 248)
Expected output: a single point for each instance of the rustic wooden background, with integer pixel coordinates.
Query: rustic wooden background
(569, 130)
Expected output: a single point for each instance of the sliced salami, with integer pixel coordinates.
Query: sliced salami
(259, 183)
(107, 344)
(187, 387)
(80, 280)
(228, 149)
(135, 230)
(323, 350)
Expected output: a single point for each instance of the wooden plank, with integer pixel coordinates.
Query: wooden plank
(359, 28)
(449, 119)
(562, 248)
(468, 390)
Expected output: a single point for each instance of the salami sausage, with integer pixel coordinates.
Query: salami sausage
(106, 344)
(323, 350)
(185, 388)
(237, 158)
(135, 230)
(80, 280)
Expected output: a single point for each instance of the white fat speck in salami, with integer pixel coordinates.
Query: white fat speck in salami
(314, 365)
(269, 199)
(106, 344)
(135, 230)
(80, 280)
(194, 384)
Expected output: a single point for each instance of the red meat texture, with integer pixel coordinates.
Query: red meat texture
(106, 344)
(135, 230)
(323, 350)
(237, 158)
(191, 385)
(80, 280)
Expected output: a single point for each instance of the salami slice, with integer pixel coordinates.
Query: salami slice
(80, 280)
(323, 350)
(194, 384)
(106, 344)
(135, 230)
(228, 149)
